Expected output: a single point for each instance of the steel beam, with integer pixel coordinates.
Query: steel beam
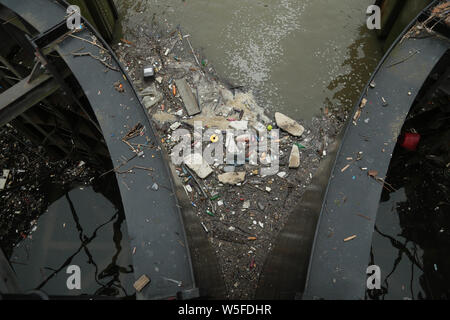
(22, 96)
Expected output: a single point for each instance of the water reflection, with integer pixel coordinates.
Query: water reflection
(82, 228)
(411, 239)
(362, 57)
(398, 257)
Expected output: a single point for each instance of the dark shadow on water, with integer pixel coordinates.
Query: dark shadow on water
(412, 235)
(85, 227)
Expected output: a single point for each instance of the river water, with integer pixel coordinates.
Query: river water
(82, 228)
(297, 56)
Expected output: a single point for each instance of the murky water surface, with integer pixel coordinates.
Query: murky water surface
(85, 229)
(410, 247)
(401, 271)
(412, 233)
(298, 56)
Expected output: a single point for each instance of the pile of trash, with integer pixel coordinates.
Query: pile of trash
(240, 203)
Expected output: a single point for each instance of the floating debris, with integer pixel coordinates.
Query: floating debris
(204, 227)
(294, 158)
(196, 163)
(372, 173)
(4, 178)
(155, 187)
(239, 125)
(187, 96)
(119, 87)
(350, 238)
(289, 125)
(232, 178)
(281, 174)
(149, 72)
(175, 126)
(141, 283)
(363, 103)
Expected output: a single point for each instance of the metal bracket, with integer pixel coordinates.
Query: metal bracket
(50, 36)
(37, 71)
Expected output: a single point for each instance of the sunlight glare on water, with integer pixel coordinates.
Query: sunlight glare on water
(296, 56)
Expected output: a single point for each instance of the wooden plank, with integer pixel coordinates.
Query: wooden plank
(190, 103)
(141, 283)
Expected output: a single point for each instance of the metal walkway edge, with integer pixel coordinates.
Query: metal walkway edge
(154, 220)
(337, 269)
(310, 259)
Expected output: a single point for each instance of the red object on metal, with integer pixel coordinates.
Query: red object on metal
(410, 141)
